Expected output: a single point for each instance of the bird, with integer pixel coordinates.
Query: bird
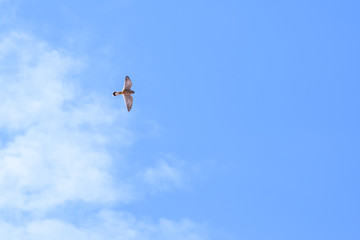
(126, 92)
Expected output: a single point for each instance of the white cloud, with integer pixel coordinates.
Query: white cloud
(163, 176)
(108, 225)
(51, 158)
(55, 151)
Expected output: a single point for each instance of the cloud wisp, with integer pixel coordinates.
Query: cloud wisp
(55, 150)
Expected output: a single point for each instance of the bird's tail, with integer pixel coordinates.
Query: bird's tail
(116, 93)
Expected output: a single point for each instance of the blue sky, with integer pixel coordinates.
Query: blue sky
(244, 123)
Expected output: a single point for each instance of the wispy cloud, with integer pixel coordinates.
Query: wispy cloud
(55, 150)
(163, 176)
(105, 226)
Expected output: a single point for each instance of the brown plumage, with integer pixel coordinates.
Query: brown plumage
(126, 92)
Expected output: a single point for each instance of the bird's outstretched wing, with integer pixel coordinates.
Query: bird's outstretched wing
(128, 84)
(128, 101)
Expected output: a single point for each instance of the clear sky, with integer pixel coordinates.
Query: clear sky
(245, 122)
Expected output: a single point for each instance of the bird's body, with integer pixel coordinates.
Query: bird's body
(126, 92)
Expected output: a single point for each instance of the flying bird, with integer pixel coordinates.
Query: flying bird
(126, 92)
